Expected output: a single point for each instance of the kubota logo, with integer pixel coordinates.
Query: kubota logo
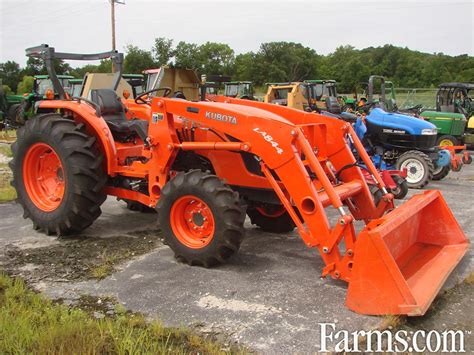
(221, 117)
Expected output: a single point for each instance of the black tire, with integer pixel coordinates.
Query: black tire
(12, 112)
(22, 112)
(278, 224)
(82, 169)
(424, 161)
(441, 173)
(458, 168)
(402, 187)
(376, 192)
(448, 137)
(224, 205)
(139, 207)
(468, 160)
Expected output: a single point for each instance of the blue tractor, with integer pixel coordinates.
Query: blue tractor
(398, 141)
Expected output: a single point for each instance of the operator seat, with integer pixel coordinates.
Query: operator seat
(113, 112)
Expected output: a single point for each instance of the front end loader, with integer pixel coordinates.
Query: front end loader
(205, 165)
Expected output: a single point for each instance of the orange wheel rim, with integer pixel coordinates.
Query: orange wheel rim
(273, 212)
(43, 177)
(192, 222)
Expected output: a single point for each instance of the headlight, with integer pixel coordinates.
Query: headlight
(429, 131)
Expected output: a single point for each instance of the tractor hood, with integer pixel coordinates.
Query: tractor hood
(399, 122)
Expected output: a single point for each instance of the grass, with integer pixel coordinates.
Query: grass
(7, 192)
(392, 322)
(29, 323)
(106, 266)
(5, 150)
(470, 279)
(8, 136)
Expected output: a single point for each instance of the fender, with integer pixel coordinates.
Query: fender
(84, 113)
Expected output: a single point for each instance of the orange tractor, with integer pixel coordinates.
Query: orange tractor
(205, 165)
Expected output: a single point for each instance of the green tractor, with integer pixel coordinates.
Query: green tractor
(318, 93)
(454, 115)
(75, 87)
(239, 89)
(212, 88)
(9, 105)
(42, 84)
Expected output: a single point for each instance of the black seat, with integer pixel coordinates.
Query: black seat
(332, 105)
(113, 112)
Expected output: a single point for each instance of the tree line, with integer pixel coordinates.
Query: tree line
(273, 62)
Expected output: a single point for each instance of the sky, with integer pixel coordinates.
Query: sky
(84, 26)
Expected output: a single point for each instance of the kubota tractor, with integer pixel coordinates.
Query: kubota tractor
(204, 165)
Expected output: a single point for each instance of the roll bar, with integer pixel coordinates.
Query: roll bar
(48, 54)
(370, 97)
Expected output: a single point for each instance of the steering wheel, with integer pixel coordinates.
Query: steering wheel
(366, 107)
(140, 100)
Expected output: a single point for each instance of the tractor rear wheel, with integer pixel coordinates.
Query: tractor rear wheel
(419, 168)
(201, 218)
(58, 175)
(447, 140)
(439, 173)
(12, 112)
(22, 112)
(271, 218)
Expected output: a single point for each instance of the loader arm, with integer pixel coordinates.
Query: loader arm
(400, 259)
(287, 151)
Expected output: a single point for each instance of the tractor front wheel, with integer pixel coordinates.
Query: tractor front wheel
(201, 218)
(58, 175)
(419, 168)
(271, 218)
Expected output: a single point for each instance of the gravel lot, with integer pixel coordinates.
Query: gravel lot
(270, 297)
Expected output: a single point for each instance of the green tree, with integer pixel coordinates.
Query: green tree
(163, 51)
(187, 56)
(216, 58)
(247, 67)
(287, 61)
(10, 74)
(26, 85)
(36, 66)
(7, 90)
(137, 60)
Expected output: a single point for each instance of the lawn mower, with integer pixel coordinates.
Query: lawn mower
(205, 165)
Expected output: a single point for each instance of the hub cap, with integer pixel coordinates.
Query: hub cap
(192, 222)
(415, 170)
(437, 169)
(43, 177)
(446, 142)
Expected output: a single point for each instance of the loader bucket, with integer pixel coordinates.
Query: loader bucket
(402, 260)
